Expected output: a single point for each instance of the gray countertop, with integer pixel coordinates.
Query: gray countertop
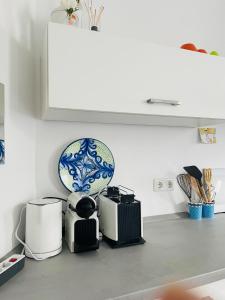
(176, 248)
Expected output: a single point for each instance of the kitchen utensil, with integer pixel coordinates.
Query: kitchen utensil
(190, 187)
(86, 165)
(196, 196)
(207, 176)
(184, 182)
(205, 184)
(196, 173)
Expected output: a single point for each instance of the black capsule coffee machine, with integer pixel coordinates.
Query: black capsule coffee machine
(120, 218)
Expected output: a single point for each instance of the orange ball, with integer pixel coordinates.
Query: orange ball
(189, 46)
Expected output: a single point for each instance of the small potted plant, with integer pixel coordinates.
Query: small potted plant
(67, 13)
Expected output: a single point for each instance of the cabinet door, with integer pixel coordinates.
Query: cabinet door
(92, 71)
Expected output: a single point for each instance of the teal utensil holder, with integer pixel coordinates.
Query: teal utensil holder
(208, 210)
(195, 211)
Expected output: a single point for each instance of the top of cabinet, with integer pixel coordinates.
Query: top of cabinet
(71, 31)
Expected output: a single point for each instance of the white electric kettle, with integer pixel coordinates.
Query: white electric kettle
(43, 228)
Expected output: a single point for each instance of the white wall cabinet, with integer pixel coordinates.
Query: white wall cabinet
(92, 77)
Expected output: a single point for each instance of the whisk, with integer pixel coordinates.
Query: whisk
(184, 182)
(94, 15)
(190, 187)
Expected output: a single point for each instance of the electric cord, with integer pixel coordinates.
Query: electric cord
(22, 242)
(100, 192)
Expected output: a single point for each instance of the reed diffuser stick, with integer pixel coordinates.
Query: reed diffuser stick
(99, 15)
(88, 11)
(95, 17)
(94, 14)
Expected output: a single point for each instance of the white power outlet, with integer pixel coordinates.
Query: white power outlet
(163, 185)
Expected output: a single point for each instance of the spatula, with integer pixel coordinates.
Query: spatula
(194, 172)
(196, 194)
(207, 176)
(197, 174)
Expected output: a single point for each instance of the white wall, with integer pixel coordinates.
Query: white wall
(2, 110)
(169, 23)
(2, 132)
(17, 176)
(141, 153)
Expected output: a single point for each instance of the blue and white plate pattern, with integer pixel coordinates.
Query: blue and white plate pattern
(86, 165)
(2, 151)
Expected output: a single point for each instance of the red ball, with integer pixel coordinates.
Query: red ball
(202, 51)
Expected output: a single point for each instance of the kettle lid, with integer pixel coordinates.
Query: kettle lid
(42, 202)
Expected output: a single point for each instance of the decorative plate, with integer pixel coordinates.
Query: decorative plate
(86, 165)
(2, 151)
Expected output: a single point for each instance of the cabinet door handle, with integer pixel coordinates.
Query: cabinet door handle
(161, 101)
